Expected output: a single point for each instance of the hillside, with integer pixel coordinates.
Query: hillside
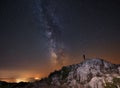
(91, 73)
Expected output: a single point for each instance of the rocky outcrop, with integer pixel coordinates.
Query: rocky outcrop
(91, 73)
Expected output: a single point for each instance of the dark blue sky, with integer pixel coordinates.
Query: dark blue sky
(88, 26)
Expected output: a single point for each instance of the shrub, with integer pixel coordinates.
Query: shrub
(65, 72)
(116, 81)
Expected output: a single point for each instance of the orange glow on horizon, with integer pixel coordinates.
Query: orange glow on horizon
(18, 80)
(37, 74)
(21, 80)
(37, 78)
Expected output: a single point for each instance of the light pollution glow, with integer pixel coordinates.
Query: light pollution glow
(30, 76)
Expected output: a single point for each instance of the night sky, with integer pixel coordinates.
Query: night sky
(90, 27)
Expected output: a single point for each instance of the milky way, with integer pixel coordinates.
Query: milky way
(34, 34)
(45, 12)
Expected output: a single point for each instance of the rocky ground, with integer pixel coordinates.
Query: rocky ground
(91, 73)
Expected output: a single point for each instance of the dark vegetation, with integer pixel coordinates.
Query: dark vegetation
(12, 85)
(116, 81)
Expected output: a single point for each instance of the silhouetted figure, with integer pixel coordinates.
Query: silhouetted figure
(84, 56)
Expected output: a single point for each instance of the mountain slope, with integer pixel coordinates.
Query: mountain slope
(91, 73)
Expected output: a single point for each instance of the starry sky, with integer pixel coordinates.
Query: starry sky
(90, 27)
